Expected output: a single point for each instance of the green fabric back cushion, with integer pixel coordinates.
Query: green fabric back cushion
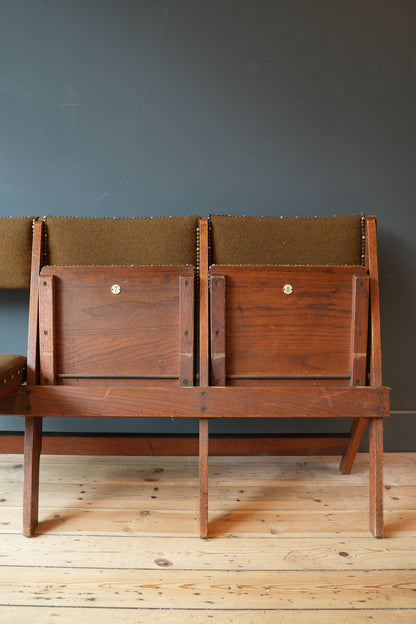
(15, 251)
(10, 364)
(287, 240)
(121, 241)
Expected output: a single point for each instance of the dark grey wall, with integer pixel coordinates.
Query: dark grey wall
(273, 107)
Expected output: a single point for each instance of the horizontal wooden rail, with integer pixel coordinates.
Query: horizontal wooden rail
(195, 402)
(175, 445)
(114, 376)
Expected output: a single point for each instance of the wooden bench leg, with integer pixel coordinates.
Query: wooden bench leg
(203, 477)
(376, 476)
(32, 450)
(357, 430)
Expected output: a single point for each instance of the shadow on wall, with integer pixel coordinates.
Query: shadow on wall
(398, 314)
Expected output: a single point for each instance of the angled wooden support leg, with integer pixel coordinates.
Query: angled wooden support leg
(32, 450)
(376, 476)
(357, 430)
(358, 363)
(203, 477)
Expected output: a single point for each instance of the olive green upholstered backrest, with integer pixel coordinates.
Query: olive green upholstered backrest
(120, 241)
(334, 240)
(15, 251)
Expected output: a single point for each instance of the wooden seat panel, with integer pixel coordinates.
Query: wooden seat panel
(281, 336)
(114, 322)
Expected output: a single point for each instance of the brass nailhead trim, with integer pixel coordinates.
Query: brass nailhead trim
(13, 375)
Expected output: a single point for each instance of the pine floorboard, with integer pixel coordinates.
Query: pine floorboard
(289, 542)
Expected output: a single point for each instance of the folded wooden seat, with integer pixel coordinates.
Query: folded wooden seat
(285, 296)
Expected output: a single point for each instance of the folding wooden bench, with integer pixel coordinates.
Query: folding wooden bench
(15, 255)
(294, 331)
(288, 327)
(111, 324)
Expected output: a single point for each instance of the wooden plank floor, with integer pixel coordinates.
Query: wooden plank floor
(118, 542)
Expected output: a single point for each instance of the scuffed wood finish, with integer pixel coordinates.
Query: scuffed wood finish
(210, 402)
(246, 553)
(125, 547)
(191, 615)
(275, 335)
(249, 590)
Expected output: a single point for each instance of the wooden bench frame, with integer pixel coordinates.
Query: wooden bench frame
(361, 403)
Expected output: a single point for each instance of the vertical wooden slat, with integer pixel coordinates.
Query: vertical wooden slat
(33, 426)
(375, 346)
(203, 302)
(47, 356)
(359, 333)
(186, 331)
(218, 373)
(37, 261)
(203, 371)
(376, 476)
